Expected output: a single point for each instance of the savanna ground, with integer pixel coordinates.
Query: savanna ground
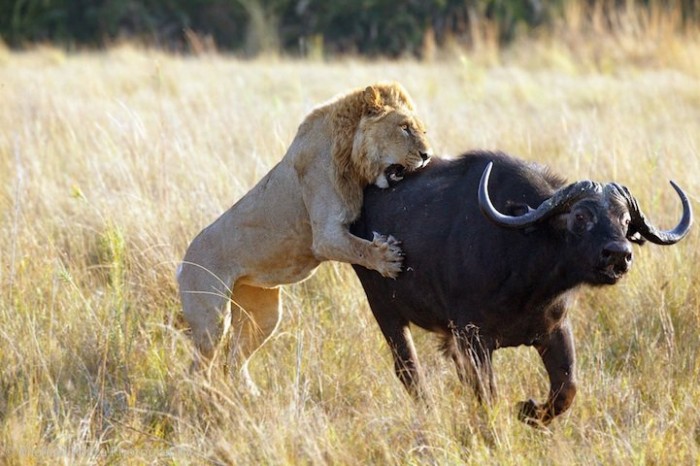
(111, 162)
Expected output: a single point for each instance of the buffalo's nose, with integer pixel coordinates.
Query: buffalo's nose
(617, 253)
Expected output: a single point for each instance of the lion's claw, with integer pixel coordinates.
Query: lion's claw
(390, 255)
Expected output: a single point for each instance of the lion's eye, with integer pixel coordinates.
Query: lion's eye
(405, 127)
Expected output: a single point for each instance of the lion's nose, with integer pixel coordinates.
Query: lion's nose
(424, 155)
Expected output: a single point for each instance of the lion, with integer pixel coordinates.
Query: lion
(298, 216)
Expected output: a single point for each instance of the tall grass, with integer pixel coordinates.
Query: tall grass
(110, 163)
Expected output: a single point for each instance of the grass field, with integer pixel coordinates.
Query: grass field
(111, 162)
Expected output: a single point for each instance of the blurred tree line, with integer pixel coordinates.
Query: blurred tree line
(368, 27)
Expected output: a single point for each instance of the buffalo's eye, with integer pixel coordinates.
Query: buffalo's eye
(581, 220)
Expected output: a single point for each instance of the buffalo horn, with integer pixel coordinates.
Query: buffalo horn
(559, 201)
(639, 223)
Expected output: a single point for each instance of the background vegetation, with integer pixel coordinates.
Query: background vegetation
(312, 27)
(110, 162)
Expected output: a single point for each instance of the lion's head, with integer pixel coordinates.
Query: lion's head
(374, 129)
(389, 136)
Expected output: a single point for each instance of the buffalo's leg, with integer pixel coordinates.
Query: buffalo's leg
(398, 335)
(557, 353)
(255, 314)
(472, 357)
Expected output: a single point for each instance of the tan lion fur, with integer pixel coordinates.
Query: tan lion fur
(298, 216)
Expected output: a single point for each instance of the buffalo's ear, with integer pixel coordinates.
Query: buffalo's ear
(636, 237)
(372, 101)
(516, 209)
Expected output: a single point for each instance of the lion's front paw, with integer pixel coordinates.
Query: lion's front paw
(389, 255)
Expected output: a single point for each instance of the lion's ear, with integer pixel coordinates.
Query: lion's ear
(372, 101)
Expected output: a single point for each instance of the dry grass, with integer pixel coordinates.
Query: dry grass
(110, 163)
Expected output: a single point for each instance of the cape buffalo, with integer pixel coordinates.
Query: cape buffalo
(485, 270)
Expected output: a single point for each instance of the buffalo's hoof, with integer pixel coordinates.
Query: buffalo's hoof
(531, 413)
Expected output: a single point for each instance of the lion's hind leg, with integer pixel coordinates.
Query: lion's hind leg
(255, 314)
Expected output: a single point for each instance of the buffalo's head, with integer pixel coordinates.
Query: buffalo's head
(601, 222)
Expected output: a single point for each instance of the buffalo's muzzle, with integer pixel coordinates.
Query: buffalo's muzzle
(616, 256)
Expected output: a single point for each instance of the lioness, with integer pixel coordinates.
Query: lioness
(297, 216)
